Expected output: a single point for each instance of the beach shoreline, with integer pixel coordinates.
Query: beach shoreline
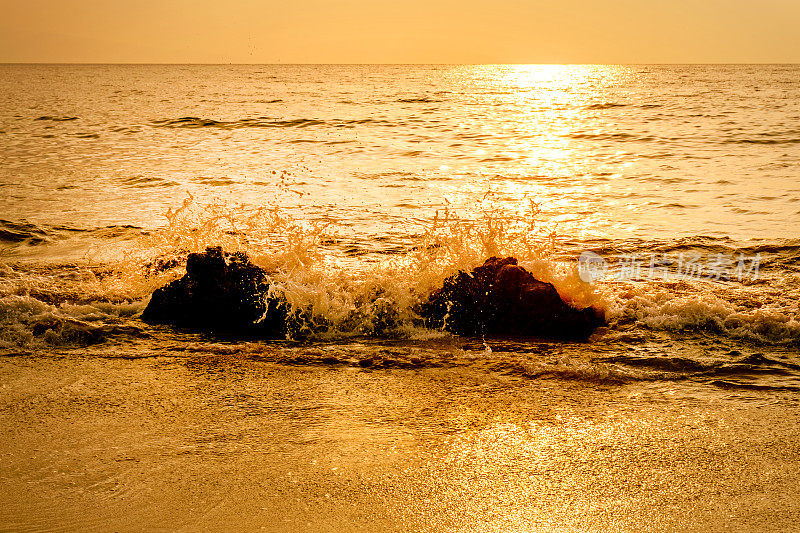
(228, 442)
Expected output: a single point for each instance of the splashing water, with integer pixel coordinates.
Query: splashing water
(310, 267)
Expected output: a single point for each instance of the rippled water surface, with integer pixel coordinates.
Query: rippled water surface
(347, 180)
(607, 150)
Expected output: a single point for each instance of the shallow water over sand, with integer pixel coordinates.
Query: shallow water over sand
(223, 443)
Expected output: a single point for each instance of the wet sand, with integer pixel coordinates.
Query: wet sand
(225, 443)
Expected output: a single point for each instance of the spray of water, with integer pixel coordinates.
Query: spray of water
(334, 294)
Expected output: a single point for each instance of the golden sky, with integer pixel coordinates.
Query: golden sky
(401, 31)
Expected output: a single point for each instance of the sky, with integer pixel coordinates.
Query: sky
(400, 31)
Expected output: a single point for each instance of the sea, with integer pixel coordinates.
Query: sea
(665, 196)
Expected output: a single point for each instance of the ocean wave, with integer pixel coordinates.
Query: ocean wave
(783, 136)
(577, 369)
(782, 250)
(426, 354)
(618, 136)
(21, 233)
(56, 118)
(793, 140)
(341, 291)
(737, 385)
(418, 100)
(605, 105)
(367, 329)
(262, 122)
(142, 182)
(686, 310)
(31, 234)
(726, 364)
(27, 322)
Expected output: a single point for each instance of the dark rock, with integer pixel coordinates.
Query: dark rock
(226, 293)
(502, 298)
(220, 292)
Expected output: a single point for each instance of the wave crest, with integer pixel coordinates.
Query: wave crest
(261, 122)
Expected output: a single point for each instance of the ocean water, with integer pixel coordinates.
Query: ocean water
(347, 180)
(668, 197)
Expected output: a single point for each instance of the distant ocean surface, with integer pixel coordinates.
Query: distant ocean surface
(347, 180)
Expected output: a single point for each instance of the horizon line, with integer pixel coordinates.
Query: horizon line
(145, 63)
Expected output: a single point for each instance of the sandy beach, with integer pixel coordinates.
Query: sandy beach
(228, 443)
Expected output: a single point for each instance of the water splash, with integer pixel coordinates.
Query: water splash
(331, 291)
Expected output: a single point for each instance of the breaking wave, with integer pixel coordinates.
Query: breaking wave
(27, 322)
(670, 329)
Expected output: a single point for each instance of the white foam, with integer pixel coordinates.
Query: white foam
(764, 313)
(27, 322)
